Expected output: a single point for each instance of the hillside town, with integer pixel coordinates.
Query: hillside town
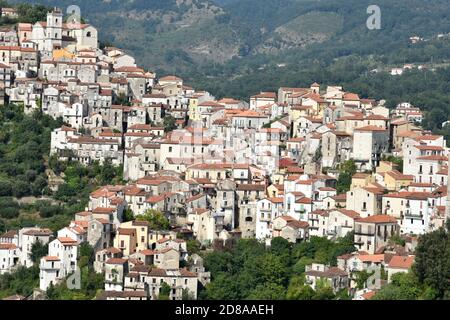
(217, 169)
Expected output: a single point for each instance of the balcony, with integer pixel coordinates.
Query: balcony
(364, 233)
(412, 215)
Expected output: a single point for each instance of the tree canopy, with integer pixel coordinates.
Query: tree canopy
(155, 218)
(249, 270)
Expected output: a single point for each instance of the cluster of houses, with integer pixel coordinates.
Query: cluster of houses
(225, 169)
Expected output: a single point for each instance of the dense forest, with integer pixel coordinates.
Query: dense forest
(24, 146)
(27, 13)
(24, 172)
(249, 270)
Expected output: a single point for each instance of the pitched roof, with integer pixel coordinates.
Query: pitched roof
(381, 218)
(349, 213)
(401, 262)
(370, 129)
(126, 231)
(295, 224)
(116, 261)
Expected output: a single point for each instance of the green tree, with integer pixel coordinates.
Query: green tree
(169, 123)
(396, 239)
(187, 295)
(303, 292)
(155, 218)
(164, 293)
(21, 281)
(128, 215)
(404, 286)
(193, 246)
(324, 290)
(361, 278)
(432, 262)
(300, 265)
(87, 251)
(346, 172)
(268, 291)
(38, 250)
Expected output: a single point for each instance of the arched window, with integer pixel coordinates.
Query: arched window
(88, 34)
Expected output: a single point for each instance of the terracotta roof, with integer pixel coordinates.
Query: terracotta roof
(298, 224)
(371, 258)
(304, 200)
(401, 262)
(126, 231)
(378, 219)
(116, 261)
(249, 114)
(66, 241)
(360, 175)
(101, 210)
(156, 272)
(349, 213)
(10, 234)
(370, 129)
(265, 95)
(250, 187)
(276, 200)
(196, 197)
(51, 258)
(432, 148)
(147, 252)
(433, 158)
(113, 250)
(348, 96)
(399, 176)
(170, 78)
(428, 137)
(368, 295)
(210, 104)
(7, 246)
(38, 232)
(410, 195)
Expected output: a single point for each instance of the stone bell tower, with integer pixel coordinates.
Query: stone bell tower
(53, 33)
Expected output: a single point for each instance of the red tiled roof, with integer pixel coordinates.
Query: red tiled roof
(401, 262)
(381, 218)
